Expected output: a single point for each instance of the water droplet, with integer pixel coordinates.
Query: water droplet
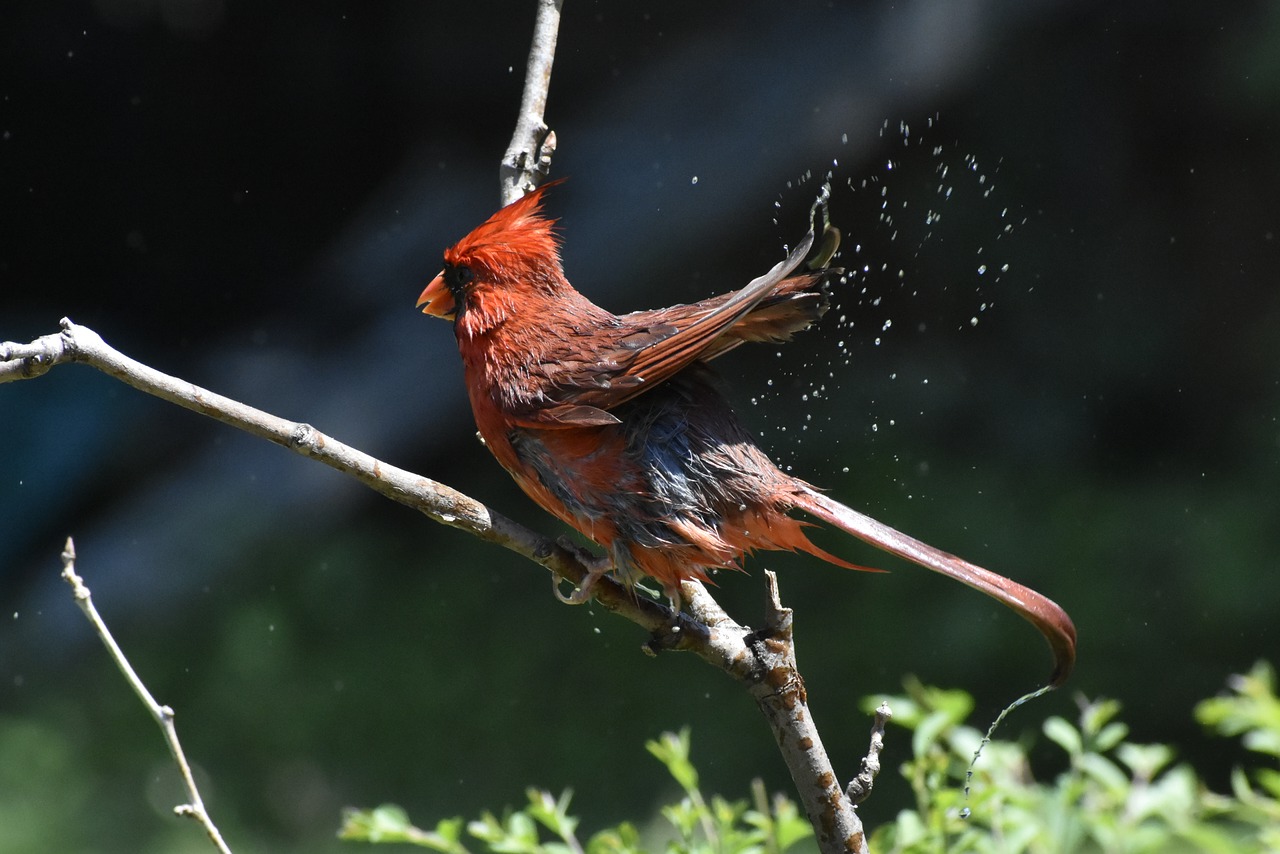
(695, 179)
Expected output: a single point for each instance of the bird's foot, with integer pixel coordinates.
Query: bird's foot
(597, 567)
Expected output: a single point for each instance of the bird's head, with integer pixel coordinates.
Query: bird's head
(510, 260)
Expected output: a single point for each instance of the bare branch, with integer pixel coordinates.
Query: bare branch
(764, 662)
(163, 715)
(779, 691)
(860, 787)
(81, 344)
(528, 157)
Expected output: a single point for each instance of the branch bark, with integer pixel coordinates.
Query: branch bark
(80, 344)
(763, 661)
(528, 157)
(780, 693)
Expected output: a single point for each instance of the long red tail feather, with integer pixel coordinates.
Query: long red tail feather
(1042, 612)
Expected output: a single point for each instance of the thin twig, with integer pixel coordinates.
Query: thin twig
(163, 715)
(528, 157)
(860, 786)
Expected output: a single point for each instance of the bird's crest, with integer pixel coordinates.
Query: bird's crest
(515, 241)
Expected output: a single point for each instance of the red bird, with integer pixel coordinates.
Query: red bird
(613, 424)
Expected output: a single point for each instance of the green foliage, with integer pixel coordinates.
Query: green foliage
(692, 825)
(1115, 795)
(1253, 713)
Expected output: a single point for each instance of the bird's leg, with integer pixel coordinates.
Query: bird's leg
(672, 592)
(597, 566)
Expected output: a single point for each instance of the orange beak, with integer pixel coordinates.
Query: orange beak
(436, 299)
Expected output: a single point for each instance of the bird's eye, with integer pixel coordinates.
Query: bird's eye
(458, 277)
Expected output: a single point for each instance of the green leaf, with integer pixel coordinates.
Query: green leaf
(1096, 715)
(1063, 734)
(928, 732)
(1110, 735)
(672, 750)
(551, 813)
(390, 823)
(1252, 711)
(1106, 773)
(1145, 760)
(623, 839)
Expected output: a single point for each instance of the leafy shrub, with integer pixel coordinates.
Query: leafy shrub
(1115, 796)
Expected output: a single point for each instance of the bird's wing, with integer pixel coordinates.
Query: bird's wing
(795, 304)
(647, 348)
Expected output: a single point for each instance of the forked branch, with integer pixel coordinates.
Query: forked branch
(763, 661)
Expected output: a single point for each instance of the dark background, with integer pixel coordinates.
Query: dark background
(251, 196)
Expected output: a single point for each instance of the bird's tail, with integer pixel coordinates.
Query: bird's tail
(1040, 611)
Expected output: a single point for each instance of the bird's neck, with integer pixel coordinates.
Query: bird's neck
(502, 343)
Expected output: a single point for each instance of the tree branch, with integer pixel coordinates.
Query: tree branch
(163, 715)
(764, 662)
(779, 691)
(82, 345)
(528, 157)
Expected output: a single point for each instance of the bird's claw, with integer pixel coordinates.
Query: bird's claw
(581, 595)
(597, 567)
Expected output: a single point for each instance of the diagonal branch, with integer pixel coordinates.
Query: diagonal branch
(448, 506)
(763, 661)
(163, 715)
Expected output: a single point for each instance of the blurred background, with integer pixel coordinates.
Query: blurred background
(1058, 356)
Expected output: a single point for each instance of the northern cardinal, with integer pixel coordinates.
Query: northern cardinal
(613, 424)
